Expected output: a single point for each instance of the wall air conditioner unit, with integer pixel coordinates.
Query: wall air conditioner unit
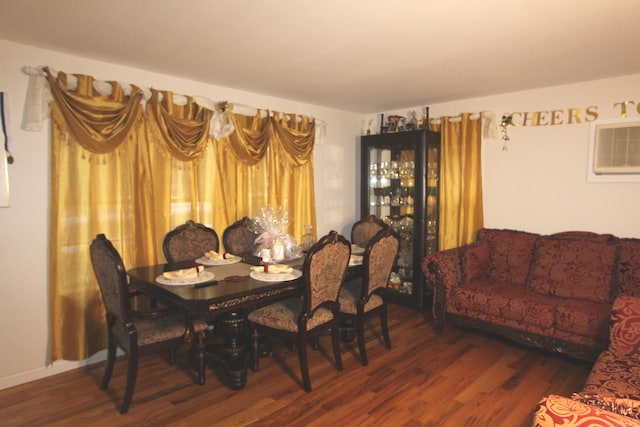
(615, 151)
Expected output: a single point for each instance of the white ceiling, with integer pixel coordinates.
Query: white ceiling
(363, 56)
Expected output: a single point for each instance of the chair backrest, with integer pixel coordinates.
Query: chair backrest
(363, 231)
(114, 286)
(378, 260)
(239, 238)
(324, 269)
(189, 241)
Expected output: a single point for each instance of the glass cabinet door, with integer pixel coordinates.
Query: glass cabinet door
(399, 184)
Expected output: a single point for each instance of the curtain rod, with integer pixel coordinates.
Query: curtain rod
(105, 88)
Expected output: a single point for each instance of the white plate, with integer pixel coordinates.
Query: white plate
(203, 276)
(357, 250)
(284, 261)
(275, 277)
(206, 261)
(355, 260)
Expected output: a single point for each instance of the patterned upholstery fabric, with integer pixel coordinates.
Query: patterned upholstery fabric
(350, 294)
(189, 241)
(239, 238)
(611, 393)
(625, 333)
(326, 272)
(364, 230)
(629, 267)
(560, 411)
(510, 254)
(553, 291)
(284, 315)
(574, 269)
(475, 262)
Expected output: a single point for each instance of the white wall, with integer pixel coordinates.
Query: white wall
(540, 183)
(24, 225)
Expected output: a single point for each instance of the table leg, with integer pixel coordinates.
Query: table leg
(231, 359)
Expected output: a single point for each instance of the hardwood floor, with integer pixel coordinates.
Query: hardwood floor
(461, 378)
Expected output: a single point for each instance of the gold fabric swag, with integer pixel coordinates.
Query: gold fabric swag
(135, 173)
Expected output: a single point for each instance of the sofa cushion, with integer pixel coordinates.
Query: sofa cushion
(554, 410)
(614, 376)
(629, 267)
(586, 318)
(510, 254)
(574, 269)
(585, 236)
(475, 261)
(504, 300)
(625, 333)
(627, 407)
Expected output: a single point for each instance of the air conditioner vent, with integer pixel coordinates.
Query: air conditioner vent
(617, 149)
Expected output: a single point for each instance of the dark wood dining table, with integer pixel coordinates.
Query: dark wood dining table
(224, 304)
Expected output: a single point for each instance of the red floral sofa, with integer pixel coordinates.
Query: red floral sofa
(611, 393)
(549, 291)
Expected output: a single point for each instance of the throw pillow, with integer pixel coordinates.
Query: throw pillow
(510, 254)
(629, 267)
(475, 261)
(574, 269)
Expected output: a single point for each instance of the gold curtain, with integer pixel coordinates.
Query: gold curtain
(461, 211)
(291, 170)
(134, 176)
(93, 142)
(274, 148)
(175, 169)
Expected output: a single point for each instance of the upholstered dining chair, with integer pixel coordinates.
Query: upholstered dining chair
(300, 319)
(363, 298)
(189, 241)
(363, 230)
(239, 238)
(132, 331)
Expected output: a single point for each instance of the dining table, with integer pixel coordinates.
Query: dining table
(223, 294)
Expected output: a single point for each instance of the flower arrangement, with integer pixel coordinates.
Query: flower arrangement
(270, 223)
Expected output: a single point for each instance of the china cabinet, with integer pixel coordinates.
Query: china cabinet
(399, 184)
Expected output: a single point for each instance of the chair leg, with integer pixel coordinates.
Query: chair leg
(132, 371)
(108, 370)
(335, 339)
(304, 365)
(255, 350)
(202, 360)
(385, 327)
(172, 355)
(315, 343)
(361, 344)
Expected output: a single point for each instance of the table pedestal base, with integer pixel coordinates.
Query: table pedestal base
(230, 360)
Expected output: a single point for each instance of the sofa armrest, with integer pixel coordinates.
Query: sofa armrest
(444, 270)
(624, 335)
(554, 410)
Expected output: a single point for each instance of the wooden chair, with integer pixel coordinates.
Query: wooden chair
(303, 318)
(360, 299)
(363, 231)
(189, 241)
(239, 238)
(130, 330)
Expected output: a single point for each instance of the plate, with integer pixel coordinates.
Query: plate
(203, 276)
(284, 261)
(275, 277)
(206, 261)
(355, 260)
(357, 250)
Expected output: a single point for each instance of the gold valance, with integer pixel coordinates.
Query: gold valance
(98, 122)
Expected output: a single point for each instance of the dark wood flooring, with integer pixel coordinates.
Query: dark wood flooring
(461, 378)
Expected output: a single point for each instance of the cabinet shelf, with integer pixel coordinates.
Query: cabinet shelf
(399, 184)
